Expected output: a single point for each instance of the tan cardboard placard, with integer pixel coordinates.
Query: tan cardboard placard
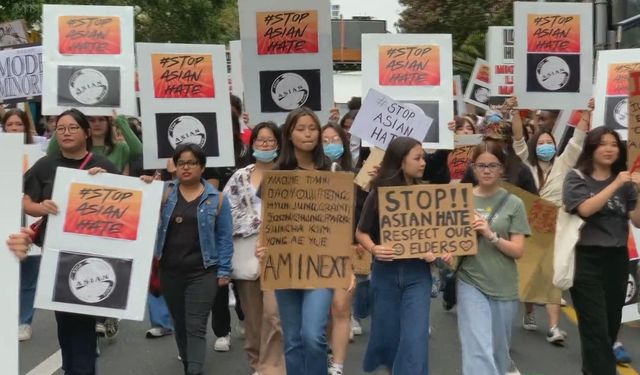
(535, 268)
(633, 140)
(375, 158)
(418, 219)
(361, 262)
(307, 227)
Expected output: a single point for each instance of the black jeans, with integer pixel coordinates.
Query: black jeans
(221, 317)
(189, 299)
(77, 339)
(598, 293)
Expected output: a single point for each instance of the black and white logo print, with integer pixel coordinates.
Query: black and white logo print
(616, 112)
(553, 73)
(88, 86)
(92, 280)
(174, 129)
(283, 91)
(480, 94)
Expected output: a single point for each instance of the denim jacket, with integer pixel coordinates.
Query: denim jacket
(215, 230)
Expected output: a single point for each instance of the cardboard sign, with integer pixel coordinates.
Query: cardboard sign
(478, 88)
(13, 33)
(553, 54)
(361, 262)
(374, 160)
(535, 268)
(98, 249)
(381, 119)
(10, 201)
(20, 74)
(420, 219)
(287, 53)
(88, 60)
(413, 68)
(500, 54)
(611, 88)
(633, 142)
(184, 98)
(458, 97)
(307, 220)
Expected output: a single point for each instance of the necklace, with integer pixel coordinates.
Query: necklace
(179, 217)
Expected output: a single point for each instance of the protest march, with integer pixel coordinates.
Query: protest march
(268, 188)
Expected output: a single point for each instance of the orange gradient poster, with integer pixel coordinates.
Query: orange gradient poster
(553, 33)
(618, 78)
(89, 35)
(416, 65)
(182, 75)
(103, 211)
(286, 32)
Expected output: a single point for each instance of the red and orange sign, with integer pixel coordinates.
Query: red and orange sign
(89, 35)
(182, 76)
(553, 33)
(103, 211)
(483, 74)
(458, 161)
(285, 32)
(415, 65)
(618, 78)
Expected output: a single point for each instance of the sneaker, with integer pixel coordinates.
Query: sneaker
(223, 344)
(24, 332)
(356, 328)
(333, 370)
(529, 322)
(435, 288)
(621, 354)
(111, 328)
(563, 302)
(100, 329)
(556, 336)
(156, 332)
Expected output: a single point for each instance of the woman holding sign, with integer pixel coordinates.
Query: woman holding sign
(303, 312)
(487, 286)
(76, 333)
(401, 289)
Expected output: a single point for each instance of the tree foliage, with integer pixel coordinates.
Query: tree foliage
(160, 21)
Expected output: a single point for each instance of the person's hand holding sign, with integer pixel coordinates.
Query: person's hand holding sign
(19, 243)
(95, 170)
(382, 253)
(48, 207)
(481, 226)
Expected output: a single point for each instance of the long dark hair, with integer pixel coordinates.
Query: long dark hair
(239, 149)
(351, 115)
(346, 161)
(391, 173)
(109, 145)
(533, 156)
(512, 163)
(28, 127)
(592, 142)
(460, 121)
(254, 135)
(287, 159)
(82, 121)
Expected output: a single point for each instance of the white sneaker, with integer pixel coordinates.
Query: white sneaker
(223, 344)
(529, 322)
(100, 329)
(333, 370)
(556, 336)
(24, 332)
(356, 328)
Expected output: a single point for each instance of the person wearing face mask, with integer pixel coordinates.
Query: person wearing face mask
(263, 333)
(549, 171)
(334, 143)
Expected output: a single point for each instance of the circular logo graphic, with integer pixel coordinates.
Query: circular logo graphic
(290, 91)
(398, 249)
(553, 73)
(620, 112)
(631, 289)
(88, 86)
(482, 94)
(186, 129)
(92, 280)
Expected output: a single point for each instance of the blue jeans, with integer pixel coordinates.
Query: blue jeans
(304, 315)
(158, 312)
(484, 326)
(361, 305)
(401, 298)
(29, 269)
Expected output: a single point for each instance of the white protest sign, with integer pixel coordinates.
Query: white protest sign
(184, 98)
(20, 74)
(88, 60)
(413, 68)
(499, 46)
(553, 54)
(381, 119)
(235, 55)
(13, 33)
(458, 96)
(98, 249)
(478, 88)
(287, 56)
(612, 88)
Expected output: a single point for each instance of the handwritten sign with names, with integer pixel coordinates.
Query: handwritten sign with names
(307, 220)
(382, 119)
(420, 219)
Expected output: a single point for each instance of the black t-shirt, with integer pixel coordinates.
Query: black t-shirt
(182, 253)
(370, 217)
(38, 181)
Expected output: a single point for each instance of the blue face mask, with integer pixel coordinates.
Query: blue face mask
(491, 119)
(333, 151)
(265, 156)
(546, 152)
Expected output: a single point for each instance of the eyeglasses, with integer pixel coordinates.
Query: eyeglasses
(265, 141)
(491, 166)
(186, 164)
(334, 140)
(72, 129)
